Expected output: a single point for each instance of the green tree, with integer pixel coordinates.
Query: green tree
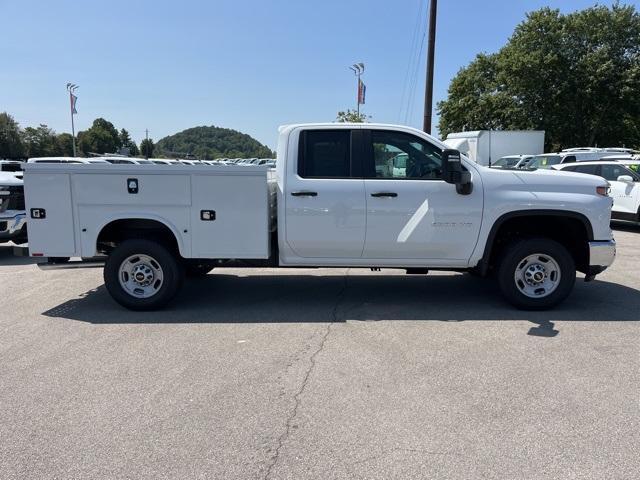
(147, 147)
(10, 141)
(576, 76)
(125, 138)
(126, 142)
(352, 116)
(64, 145)
(40, 141)
(212, 142)
(101, 137)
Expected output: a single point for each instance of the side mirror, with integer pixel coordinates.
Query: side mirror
(625, 178)
(454, 173)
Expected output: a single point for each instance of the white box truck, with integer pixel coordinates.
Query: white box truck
(335, 199)
(486, 146)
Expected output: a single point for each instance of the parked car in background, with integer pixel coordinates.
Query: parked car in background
(624, 182)
(611, 150)
(12, 209)
(93, 160)
(127, 161)
(512, 161)
(13, 166)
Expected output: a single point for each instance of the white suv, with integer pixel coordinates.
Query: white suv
(624, 181)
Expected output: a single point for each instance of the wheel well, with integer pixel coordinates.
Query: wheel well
(118, 231)
(570, 231)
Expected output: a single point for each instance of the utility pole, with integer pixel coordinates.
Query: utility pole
(71, 88)
(146, 143)
(428, 91)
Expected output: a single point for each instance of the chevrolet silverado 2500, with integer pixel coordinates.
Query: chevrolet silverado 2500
(335, 199)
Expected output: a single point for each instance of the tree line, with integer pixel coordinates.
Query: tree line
(576, 76)
(41, 141)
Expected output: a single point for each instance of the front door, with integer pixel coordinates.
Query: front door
(324, 196)
(412, 213)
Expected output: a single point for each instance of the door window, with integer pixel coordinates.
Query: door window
(325, 154)
(586, 169)
(398, 155)
(612, 172)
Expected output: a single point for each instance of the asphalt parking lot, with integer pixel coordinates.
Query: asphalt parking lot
(346, 374)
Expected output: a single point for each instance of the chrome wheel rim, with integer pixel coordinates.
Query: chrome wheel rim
(537, 275)
(140, 276)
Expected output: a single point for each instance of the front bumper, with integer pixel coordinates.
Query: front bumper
(601, 255)
(12, 225)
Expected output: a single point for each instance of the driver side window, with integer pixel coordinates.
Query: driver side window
(398, 155)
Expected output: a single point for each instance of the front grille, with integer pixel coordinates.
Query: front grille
(15, 199)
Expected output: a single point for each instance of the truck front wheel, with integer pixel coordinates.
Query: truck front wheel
(142, 275)
(536, 273)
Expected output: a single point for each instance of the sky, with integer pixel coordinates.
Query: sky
(248, 65)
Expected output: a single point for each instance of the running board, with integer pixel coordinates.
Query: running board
(89, 263)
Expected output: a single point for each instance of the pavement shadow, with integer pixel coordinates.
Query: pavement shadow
(295, 298)
(7, 257)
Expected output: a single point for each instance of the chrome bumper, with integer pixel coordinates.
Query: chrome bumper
(11, 223)
(602, 254)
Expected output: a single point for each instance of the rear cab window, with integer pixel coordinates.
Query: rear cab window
(325, 154)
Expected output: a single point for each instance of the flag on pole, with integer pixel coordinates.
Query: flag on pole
(362, 90)
(73, 103)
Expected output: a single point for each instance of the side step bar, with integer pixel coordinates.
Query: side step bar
(88, 263)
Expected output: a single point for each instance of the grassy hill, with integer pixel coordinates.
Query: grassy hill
(212, 142)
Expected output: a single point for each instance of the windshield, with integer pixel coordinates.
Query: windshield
(11, 167)
(635, 167)
(544, 161)
(506, 162)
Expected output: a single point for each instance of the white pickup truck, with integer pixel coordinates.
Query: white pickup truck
(334, 199)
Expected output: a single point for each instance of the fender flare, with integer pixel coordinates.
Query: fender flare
(182, 248)
(488, 247)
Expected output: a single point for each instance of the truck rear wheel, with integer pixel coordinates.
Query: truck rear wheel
(142, 275)
(536, 273)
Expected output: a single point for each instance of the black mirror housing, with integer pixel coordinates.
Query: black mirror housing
(451, 166)
(453, 172)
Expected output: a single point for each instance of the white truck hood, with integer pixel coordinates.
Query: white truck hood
(9, 179)
(558, 180)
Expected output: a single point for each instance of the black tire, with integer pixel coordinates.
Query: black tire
(514, 257)
(197, 269)
(172, 273)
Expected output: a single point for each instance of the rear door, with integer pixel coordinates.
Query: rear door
(324, 197)
(412, 213)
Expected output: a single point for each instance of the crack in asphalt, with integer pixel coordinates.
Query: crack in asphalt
(312, 364)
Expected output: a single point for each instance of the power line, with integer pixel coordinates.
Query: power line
(412, 58)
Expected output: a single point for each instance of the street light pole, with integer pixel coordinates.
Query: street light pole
(428, 91)
(71, 88)
(358, 70)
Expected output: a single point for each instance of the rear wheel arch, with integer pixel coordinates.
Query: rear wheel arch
(116, 231)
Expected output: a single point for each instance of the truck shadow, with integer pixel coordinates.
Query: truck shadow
(7, 258)
(296, 298)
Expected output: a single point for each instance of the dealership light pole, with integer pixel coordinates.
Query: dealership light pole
(428, 91)
(358, 70)
(71, 88)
